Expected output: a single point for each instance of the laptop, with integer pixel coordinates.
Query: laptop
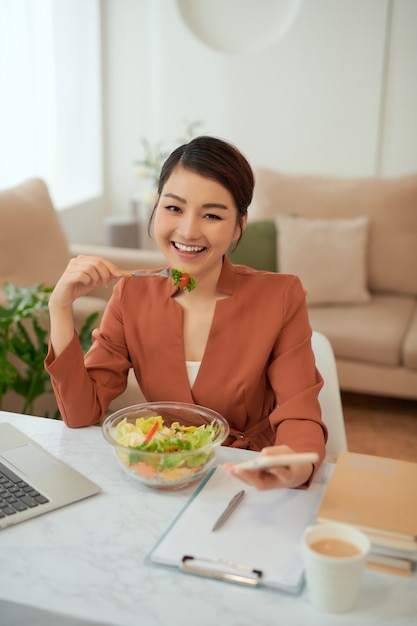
(33, 481)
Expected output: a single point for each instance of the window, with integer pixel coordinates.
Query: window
(50, 103)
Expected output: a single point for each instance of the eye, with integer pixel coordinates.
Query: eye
(212, 216)
(173, 209)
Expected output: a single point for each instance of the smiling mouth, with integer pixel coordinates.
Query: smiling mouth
(181, 247)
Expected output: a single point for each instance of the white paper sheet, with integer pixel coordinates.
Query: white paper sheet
(263, 533)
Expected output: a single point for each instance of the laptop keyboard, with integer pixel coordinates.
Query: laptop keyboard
(16, 494)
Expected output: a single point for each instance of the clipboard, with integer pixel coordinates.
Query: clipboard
(258, 546)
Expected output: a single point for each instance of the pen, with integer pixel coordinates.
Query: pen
(229, 510)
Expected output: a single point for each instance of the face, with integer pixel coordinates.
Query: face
(196, 220)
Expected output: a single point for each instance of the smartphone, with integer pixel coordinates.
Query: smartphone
(274, 460)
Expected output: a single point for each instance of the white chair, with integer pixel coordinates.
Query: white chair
(329, 396)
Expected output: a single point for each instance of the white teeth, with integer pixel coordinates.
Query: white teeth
(184, 248)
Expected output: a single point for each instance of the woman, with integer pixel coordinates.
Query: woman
(246, 332)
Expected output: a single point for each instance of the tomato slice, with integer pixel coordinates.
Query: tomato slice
(184, 280)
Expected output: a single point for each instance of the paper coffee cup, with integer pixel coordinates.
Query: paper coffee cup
(335, 557)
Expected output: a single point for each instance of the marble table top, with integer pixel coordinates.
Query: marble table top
(84, 563)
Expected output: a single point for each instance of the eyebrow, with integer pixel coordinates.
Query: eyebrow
(208, 205)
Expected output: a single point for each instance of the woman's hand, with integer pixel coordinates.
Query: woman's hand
(274, 477)
(82, 274)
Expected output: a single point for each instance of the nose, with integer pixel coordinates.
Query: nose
(188, 227)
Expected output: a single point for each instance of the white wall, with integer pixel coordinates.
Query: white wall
(336, 95)
(293, 105)
(399, 133)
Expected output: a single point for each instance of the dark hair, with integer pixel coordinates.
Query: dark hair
(217, 159)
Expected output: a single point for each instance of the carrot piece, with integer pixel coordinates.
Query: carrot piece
(151, 432)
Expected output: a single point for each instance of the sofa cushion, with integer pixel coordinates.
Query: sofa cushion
(391, 205)
(371, 332)
(409, 350)
(257, 247)
(27, 217)
(329, 256)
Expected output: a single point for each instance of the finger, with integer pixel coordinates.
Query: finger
(93, 270)
(261, 479)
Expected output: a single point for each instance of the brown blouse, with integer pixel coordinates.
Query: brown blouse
(258, 368)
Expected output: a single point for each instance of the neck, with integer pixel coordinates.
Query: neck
(206, 287)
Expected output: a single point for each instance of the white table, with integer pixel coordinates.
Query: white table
(83, 564)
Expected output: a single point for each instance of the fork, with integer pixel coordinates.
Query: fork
(166, 273)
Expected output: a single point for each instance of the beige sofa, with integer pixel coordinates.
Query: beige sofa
(375, 341)
(34, 249)
(359, 236)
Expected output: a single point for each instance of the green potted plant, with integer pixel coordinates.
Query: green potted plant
(24, 343)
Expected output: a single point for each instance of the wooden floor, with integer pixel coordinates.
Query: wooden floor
(381, 426)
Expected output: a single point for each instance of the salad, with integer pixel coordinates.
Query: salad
(164, 453)
(183, 280)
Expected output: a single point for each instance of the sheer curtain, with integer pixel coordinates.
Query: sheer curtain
(50, 96)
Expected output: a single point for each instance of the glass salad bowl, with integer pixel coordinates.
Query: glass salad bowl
(165, 445)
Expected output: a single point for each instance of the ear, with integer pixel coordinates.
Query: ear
(240, 227)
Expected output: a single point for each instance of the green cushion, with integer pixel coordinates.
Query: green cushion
(257, 247)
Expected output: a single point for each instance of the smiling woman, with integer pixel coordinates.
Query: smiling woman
(239, 344)
(195, 221)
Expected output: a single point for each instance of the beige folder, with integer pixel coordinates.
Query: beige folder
(377, 495)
